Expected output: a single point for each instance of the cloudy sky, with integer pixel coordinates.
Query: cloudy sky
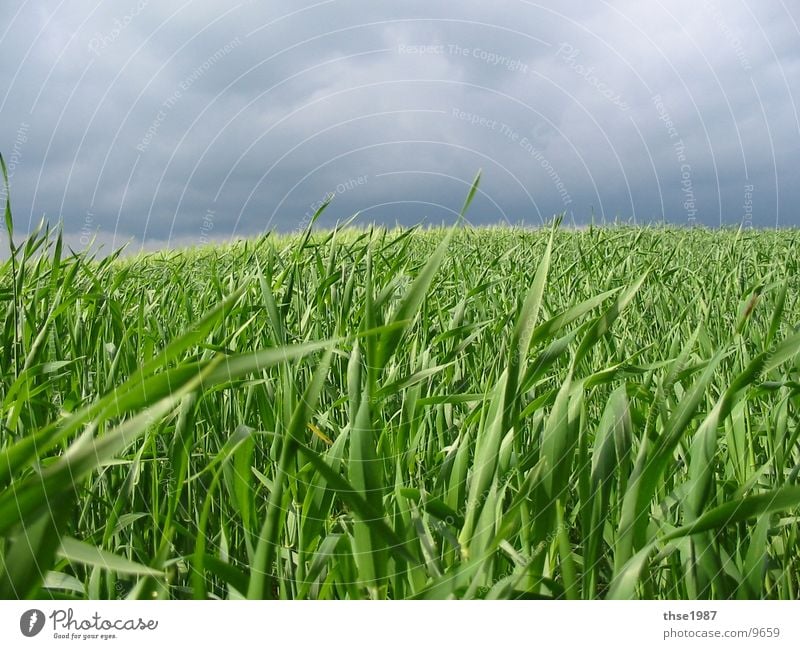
(175, 123)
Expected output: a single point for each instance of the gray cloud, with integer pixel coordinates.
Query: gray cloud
(149, 122)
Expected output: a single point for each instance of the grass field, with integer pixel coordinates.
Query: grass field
(470, 413)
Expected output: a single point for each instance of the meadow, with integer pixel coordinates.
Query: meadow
(495, 413)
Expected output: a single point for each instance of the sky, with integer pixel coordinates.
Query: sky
(170, 124)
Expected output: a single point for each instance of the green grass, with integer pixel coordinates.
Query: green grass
(473, 413)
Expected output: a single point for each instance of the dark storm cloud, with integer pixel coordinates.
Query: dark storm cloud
(196, 121)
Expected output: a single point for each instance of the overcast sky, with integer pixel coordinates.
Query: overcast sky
(183, 122)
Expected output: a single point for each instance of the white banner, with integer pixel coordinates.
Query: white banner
(331, 624)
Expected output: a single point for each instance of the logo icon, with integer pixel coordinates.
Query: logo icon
(31, 622)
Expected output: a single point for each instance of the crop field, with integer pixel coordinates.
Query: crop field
(609, 412)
